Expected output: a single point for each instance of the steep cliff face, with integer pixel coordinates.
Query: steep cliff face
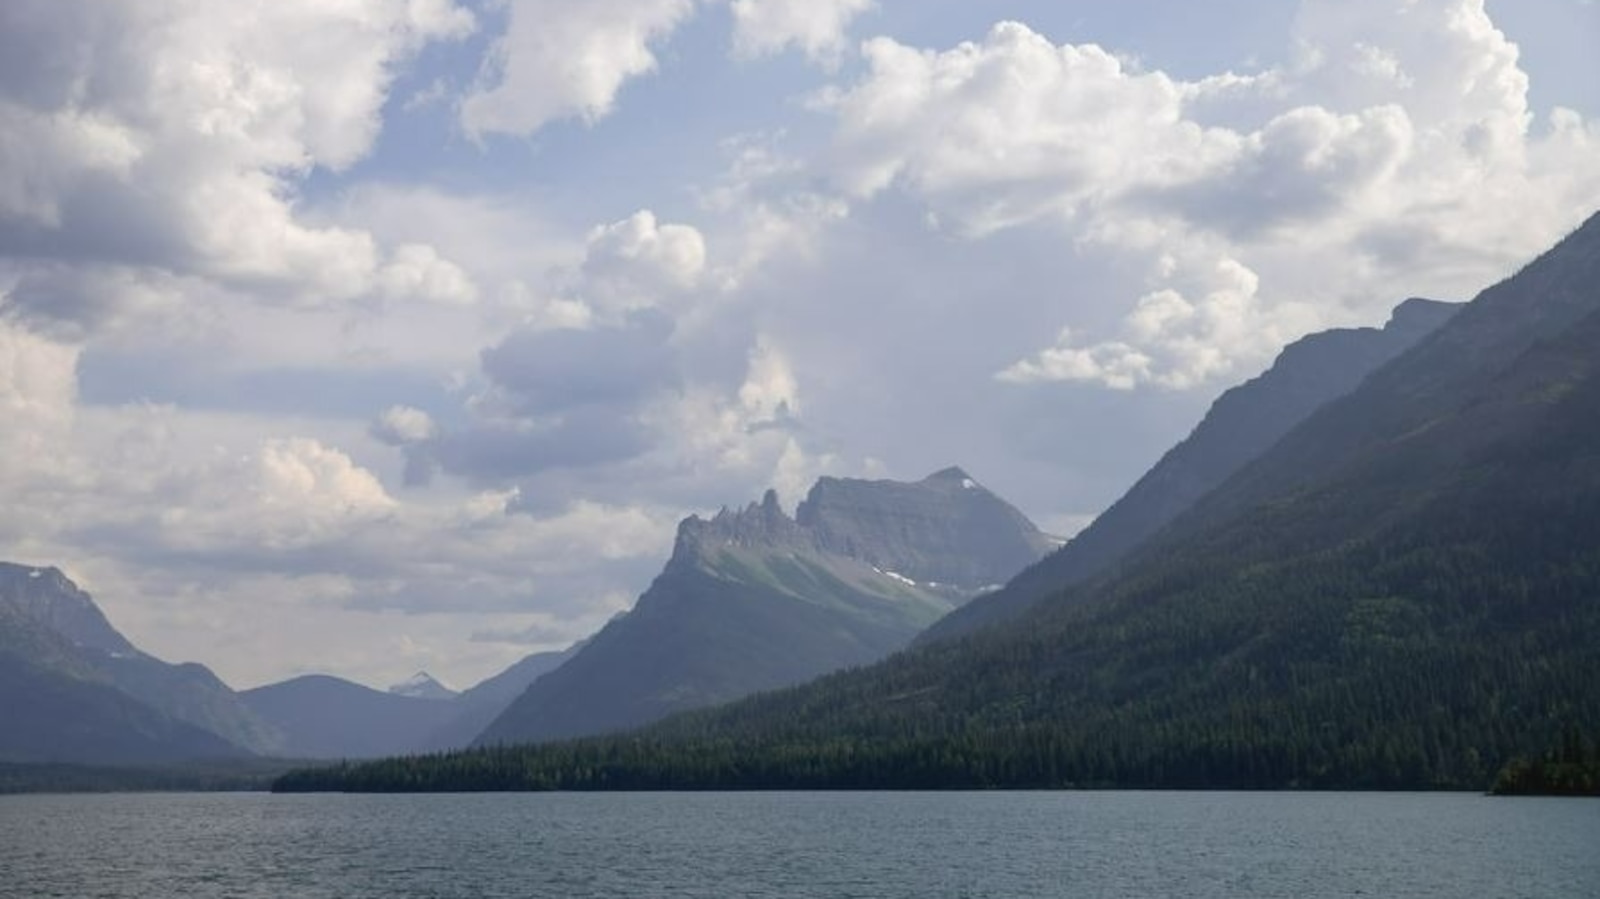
(944, 529)
(753, 599)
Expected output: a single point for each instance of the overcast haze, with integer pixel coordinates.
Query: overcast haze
(384, 335)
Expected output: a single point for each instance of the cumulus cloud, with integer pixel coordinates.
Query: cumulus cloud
(559, 61)
(1172, 338)
(816, 27)
(562, 60)
(1395, 135)
(166, 138)
(416, 271)
(403, 426)
(1114, 364)
(1003, 132)
(639, 262)
(287, 494)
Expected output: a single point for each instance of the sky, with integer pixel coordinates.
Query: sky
(374, 336)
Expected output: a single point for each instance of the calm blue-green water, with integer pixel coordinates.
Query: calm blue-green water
(1092, 845)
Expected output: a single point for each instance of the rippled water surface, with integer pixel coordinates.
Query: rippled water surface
(1093, 845)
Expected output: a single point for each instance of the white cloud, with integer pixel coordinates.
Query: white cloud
(1394, 155)
(1113, 364)
(817, 27)
(403, 425)
(169, 137)
(1172, 340)
(46, 151)
(417, 271)
(770, 390)
(639, 263)
(1015, 128)
(560, 60)
(38, 388)
(285, 495)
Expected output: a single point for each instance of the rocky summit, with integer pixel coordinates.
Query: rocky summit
(754, 599)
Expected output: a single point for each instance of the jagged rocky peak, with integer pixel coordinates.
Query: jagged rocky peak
(48, 597)
(762, 524)
(946, 529)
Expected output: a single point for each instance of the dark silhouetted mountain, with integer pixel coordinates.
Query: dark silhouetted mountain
(327, 717)
(1242, 424)
(1403, 591)
(754, 600)
(51, 717)
(59, 694)
(186, 692)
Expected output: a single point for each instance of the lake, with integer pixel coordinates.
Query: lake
(566, 846)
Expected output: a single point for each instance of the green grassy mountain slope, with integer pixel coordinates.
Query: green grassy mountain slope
(1404, 592)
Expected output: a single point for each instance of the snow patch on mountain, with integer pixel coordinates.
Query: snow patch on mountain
(422, 686)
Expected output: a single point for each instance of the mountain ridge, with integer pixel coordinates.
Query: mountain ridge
(1241, 424)
(76, 690)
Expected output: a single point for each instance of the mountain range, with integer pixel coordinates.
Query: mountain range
(750, 600)
(74, 690)
(329, 717)
(1400, 591)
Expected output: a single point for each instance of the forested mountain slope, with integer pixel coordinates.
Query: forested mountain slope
(1242, 424)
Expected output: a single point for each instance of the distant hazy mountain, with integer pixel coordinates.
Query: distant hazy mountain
(476, 708)
(753, 600)
(1242, 424)
(78, 690)
(327, 717)
(422, 686)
